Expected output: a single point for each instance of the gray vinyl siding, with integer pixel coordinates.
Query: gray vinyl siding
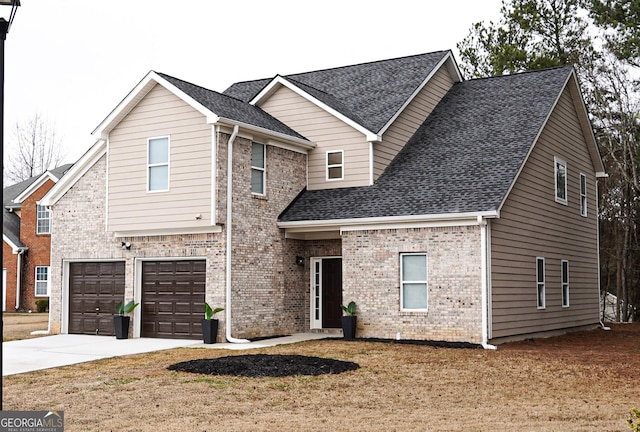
(130, 206)
(532, 224)
(328, 132)
(411, 118)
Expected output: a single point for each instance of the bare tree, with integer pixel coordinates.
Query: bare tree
(34, 150)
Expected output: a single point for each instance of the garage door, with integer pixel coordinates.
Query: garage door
(173, 299)
(95, 288)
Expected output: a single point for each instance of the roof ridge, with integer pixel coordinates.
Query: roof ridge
(547, 69)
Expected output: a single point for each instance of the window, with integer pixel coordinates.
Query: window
(335, 165)
(413, 283)
(583, 195)
(42, 281)
(43, 220)
(258, 168)
(561, 181)
(158, 164)
(565, 283)
(540, 282)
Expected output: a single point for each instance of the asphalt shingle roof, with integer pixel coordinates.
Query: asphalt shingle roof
(462, 159)
(232, 108)
(368, 93)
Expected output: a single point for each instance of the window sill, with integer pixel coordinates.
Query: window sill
(259, 197)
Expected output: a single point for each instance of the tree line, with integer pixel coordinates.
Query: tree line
(601, 39)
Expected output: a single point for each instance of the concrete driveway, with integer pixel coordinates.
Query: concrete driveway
(46, 352)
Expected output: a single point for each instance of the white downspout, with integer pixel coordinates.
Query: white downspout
(485, 284)
(19, 277)
(228, 223)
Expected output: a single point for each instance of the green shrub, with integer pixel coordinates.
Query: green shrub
(635, 426)
(42, 305)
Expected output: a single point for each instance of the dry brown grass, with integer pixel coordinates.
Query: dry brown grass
(581, 382)
(20, 325)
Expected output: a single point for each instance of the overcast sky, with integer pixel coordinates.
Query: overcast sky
(73, 61)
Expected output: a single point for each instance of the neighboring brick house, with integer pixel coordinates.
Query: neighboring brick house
(446, 209)
(26, 235)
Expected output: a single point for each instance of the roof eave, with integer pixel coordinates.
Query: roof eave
(299, 142)
(35, 186)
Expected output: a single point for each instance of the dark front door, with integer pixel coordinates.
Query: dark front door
(173, 299)
(95, 288)
(331, 292)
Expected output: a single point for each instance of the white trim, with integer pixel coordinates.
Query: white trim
(35, 186)
(79, 169)
(403, 282)
(262, 169)
(340, 165)
(302, 143)
(36, 280)
(585, 195)
(169, 231)
(485, 279)
(313, 323)
(167, 164)
(457, 77)
(214, 172)
(562, 283)
(279, 80)
(50, 218)
(371, 164)
(14, 247)
(557, 161)
(544, 284)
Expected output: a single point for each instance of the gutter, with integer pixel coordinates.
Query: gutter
(230, 338)
(484, 252)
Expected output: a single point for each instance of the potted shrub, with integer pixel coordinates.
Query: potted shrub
(210, 325)
(121, 321)
(349, 321)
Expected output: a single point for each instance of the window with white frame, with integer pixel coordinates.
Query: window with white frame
(335, 165)
(258, 168)
(540, 283)
(565, 283)
(413, 281)
(583, 195)
(42, 281)
(561, 180)
(158, 164)
(43, 220)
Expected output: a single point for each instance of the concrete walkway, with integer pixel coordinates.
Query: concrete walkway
(61, 350)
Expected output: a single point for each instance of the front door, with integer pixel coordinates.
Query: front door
(326, 293)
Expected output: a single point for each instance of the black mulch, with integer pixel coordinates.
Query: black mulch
(265, 365)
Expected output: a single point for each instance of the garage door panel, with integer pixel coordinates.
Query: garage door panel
(173, 298)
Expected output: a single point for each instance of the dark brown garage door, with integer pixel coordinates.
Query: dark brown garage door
(95, 288)
(173, 299)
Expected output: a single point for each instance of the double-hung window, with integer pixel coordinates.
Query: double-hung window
(565, 283)
(158, 164)
(540, 285)
(335, 165)
(42, 281)
(413, 281)
(258, 168)
(43, 220)
(583, 195)
(560, 180)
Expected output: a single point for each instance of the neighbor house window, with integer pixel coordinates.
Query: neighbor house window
(583, 195)
(43, 222)
(540, 282)
(158, 164)
(335, 165)
(565, 283)
(413, 281)
(42, 281)
(561, 180)
(258, 168)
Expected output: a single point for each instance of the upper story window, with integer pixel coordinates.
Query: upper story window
(565, 283)
(335, 165)
(540, 285)
(258, 168)
(158, 164)
(42, 281)
(561, 180)
(413, 281)
(43, 220)
(583, 195)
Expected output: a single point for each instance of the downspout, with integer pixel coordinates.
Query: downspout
(19, 277)
(485, 283)
(228, 223)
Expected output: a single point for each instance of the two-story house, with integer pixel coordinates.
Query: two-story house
(26, 241)
(446, 209)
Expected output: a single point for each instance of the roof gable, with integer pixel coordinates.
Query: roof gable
(369, 94)
(463, 159)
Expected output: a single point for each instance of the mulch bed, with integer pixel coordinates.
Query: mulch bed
(265, 365)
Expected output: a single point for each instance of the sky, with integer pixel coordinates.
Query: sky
(73, 61)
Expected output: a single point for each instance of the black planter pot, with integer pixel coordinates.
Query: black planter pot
(349, 327)
(209, 330)
(121, 325)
